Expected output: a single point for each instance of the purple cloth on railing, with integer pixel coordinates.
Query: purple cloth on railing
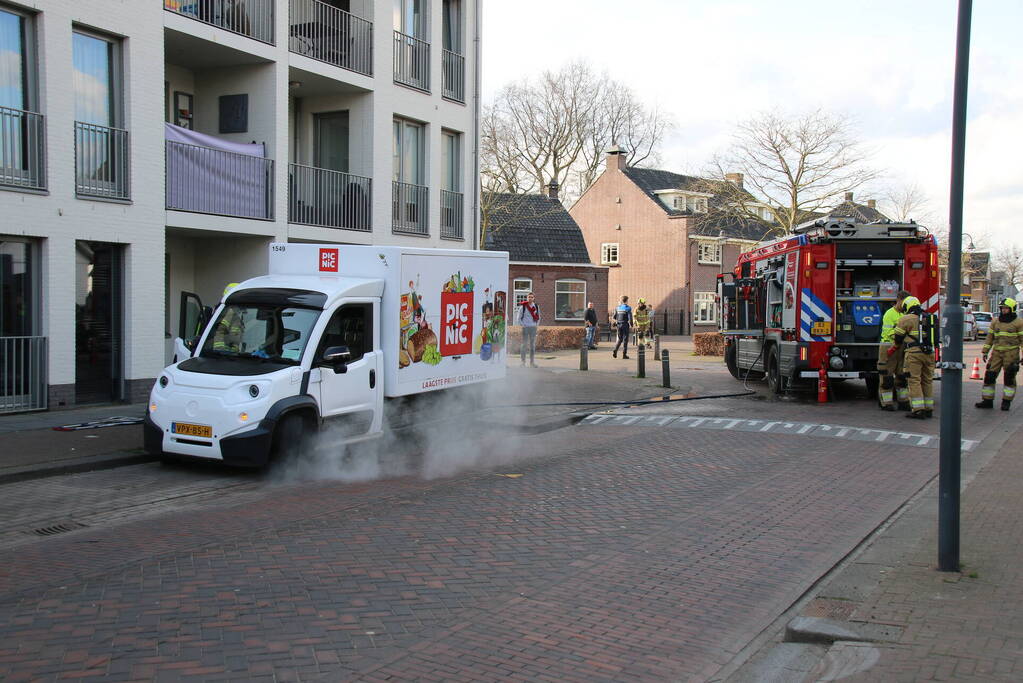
(214, 175)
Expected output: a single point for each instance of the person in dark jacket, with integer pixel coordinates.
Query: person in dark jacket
(590, 317)
(623, 321)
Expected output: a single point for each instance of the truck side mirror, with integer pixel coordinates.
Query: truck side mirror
(336, 357)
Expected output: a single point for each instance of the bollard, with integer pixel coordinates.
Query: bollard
(584, 356)
(665, 372)
(657, 346)
(641, 362)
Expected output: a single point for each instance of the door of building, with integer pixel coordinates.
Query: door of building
(99, 322)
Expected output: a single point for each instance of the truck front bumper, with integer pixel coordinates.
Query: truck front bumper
(248, 449)
(835, 374)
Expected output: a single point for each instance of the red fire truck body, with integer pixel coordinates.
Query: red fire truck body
(814, 300)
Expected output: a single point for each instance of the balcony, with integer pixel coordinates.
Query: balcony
(410, 207)
(22, 145)
(411, 61)
(101, 161)
(328, 199)
(451, 215)
(251, 18)
(453, 76)
(331, 35)
(213, 181)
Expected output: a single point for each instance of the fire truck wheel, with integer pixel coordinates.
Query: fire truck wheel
(774, 379)
(731, 362)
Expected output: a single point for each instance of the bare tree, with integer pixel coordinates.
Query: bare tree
(1009, 260)
(793, 167)
(907, 202)
(558, 128)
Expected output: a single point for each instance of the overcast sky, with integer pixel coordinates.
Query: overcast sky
(887, 63)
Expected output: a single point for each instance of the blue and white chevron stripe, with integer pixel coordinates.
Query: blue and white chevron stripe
(813, 310)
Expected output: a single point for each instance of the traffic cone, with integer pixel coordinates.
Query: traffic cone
(976, 368)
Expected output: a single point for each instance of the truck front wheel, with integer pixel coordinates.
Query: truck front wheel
(774, 378)
(290, 437)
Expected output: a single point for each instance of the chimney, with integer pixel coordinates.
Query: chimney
(552, 190)
(615, 158)
(871, 203)
(734, 179)
(848, 196)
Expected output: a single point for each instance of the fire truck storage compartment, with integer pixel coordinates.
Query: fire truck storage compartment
(867, 277)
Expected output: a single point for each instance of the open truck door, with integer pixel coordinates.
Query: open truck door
(192, 321)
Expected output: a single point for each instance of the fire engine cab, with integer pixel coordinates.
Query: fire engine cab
(813, 301)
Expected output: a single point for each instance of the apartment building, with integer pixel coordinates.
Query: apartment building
(150, 148)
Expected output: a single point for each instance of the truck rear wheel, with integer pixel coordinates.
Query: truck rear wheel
(731, 362)
(774, 378)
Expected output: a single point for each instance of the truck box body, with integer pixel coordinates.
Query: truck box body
(328, 334)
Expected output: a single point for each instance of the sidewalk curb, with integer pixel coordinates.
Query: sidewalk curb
(74, 465)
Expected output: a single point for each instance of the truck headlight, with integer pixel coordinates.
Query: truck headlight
(836, 363)
(164, 381)
(253, 390)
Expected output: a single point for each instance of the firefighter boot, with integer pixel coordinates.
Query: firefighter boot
(929, 413)
(917, 415)
(986, 403)
(903, 405)
(1006, 404)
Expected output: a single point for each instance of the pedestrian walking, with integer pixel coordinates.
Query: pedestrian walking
(642, 317)
(1001, 353)
(890, 366)
(623, 322)
(529, 319)
(916, 330)
(590, 317)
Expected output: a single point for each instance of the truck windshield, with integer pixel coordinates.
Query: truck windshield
(271, 333)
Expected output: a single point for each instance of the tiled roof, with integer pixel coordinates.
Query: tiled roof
(861, 212)
(717, 223)
(533, 228)
(652, 180)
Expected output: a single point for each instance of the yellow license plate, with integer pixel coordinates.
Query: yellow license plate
(189, 429)
(821, 329)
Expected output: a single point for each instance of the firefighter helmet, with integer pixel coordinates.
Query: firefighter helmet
(909, 303)
(1009, 303)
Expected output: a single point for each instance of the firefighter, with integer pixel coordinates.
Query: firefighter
(231, 328)
(1001, 353)
(916, 331)
(641, 316)
(890, 367)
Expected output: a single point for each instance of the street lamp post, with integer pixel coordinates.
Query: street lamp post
(950, 450)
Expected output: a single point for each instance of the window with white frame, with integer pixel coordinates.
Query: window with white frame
(710, 252)
(690, 203)
(609, 253)
(704, 309)
(521, 287)
(569, 299)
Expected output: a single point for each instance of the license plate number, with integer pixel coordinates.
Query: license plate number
(821, 329)
(189, 429)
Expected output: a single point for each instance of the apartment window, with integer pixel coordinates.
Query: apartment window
(21, 128)
(704, 308)
(101, 143)
(710, 252)
(409, 142)
(410, 196)
(452, 26)
(569, 299)
(609, 253)
(330, 140)
(17, 58)
(410, 18)
(522, 287)
(451, 198)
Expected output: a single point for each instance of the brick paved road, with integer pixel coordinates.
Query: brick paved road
(619, 554)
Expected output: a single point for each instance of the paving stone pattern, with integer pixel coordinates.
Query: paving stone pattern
(637, 555)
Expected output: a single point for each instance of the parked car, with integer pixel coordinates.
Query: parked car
(983, 319)
(969, 326)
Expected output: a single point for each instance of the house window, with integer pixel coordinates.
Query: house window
(690, 203)
(96, 78)
(704, 308)
(522, 288)
(450, 155)
(609, 253)
(710, 252)
(569, 299)
(410, 18)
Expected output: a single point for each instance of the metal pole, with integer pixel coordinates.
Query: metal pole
(641, 362)
(665, 371)
(584, 356)
(657, 346)
(952, 378)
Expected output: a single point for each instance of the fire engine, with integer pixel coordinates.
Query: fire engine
(808, 306)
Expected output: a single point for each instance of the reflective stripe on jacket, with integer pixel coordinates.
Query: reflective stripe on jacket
(1004, 336)
(888, 322)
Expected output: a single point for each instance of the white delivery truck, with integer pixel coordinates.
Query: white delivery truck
(330, 333)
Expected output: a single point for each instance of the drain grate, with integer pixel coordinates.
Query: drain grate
(55, 529)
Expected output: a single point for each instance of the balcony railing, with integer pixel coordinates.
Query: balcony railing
(453, 76)
(329, 199)
(410, 207)
(22, 141)
(251, 18)
(331, 35)
(451, 215)
(22, 374)
(207, 180)
(411, 61)
(101, 161)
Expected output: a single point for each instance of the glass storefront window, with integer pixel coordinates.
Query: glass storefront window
(17, 290)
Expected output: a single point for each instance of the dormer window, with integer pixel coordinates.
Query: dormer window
(693, 204)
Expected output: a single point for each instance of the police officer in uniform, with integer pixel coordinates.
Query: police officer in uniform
(890, 366)
(1001, 352)
(918, 336)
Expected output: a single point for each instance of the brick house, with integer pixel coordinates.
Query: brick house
(664, 238)
(548, 256)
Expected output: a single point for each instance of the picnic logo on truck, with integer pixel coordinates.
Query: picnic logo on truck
(329, 260)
